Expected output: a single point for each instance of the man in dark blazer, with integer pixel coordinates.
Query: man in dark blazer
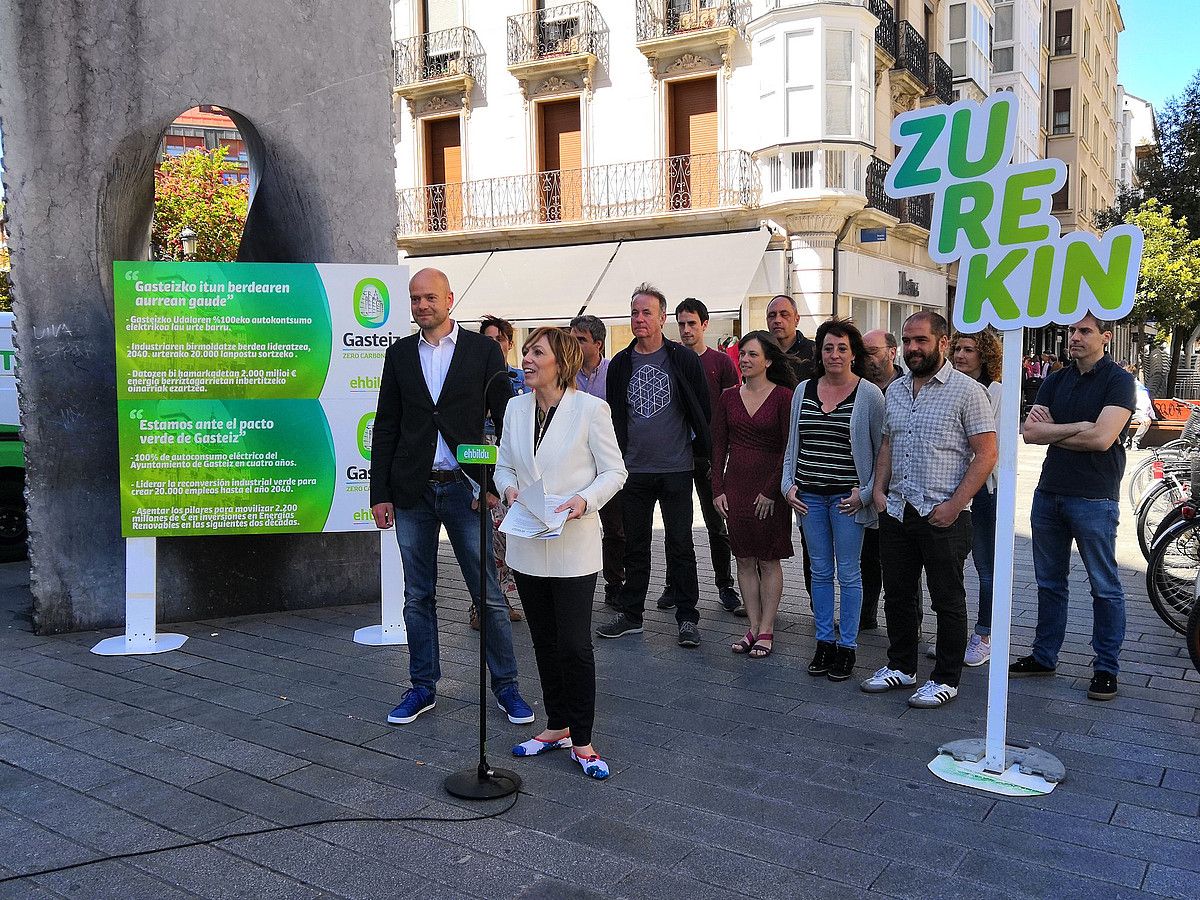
(431, 399)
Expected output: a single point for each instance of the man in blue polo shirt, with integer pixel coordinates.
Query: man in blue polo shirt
(1080, 414)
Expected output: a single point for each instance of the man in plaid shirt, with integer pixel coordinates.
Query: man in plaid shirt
(939, 444)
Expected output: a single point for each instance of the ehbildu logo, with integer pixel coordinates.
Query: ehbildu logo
(371, 304)
(366, 431)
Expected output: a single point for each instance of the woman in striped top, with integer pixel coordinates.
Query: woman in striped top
(828, 475)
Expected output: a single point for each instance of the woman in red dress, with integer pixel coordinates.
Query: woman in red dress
(750, 434)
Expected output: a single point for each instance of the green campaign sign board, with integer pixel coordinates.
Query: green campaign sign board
(246, 393)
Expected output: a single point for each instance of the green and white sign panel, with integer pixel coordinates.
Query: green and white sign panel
(994, 218)
(246, 393)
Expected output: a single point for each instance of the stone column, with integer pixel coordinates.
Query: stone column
(86, 89)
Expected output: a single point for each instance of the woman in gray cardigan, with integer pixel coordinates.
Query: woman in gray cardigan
(828, 475)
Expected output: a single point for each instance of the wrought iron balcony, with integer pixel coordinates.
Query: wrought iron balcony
(625, 190)
(877, 198)
(918, 211)
(885, 31)
(912, 53)
(941, 81)
(658, 19)
(569, 30)
(438, 55)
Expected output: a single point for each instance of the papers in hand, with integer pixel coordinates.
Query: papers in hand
(532, 515)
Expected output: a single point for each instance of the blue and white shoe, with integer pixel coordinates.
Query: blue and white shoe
(416, 700)
(536, 746)
(518, 711)
(593, 766)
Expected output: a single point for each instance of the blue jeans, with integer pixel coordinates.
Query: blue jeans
(417, 529)
(983, 553)
(834, 542)
(1092, 524)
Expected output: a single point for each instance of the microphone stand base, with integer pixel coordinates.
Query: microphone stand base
(471, 784)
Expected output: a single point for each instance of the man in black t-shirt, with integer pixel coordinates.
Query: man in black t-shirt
(1080, 414)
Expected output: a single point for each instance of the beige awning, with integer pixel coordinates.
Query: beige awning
(461, 268)
(714, 268)
(537, 286)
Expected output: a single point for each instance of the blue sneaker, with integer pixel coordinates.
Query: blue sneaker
(415, 701)
(510, 700)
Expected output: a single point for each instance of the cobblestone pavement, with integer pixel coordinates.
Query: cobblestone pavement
(732, 777)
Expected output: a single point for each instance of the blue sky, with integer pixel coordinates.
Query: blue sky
(1160, 48)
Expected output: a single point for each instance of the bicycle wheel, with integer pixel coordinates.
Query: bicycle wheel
(1168, 520)
(1193, 635)
(1172, 572)
(1143, 479)
(1162, 499)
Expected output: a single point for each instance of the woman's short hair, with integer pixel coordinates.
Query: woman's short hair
(843, 328)
(991, 351)
(566, 350)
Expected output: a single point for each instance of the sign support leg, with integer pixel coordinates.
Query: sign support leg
(141, 606)
(391, 591)
(993, 764)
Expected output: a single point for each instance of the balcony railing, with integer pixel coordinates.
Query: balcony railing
(912, 52)
(877, 198)
(668, 18)
(941, 81)
(918, 211)
(439, 54)
(811, 169)
(599, 193)
(567, 30)
(885, 31)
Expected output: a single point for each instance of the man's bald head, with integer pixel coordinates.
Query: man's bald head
(431, 298)
(430, 277)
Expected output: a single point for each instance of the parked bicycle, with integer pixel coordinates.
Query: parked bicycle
(1173, 565)
(1172, 456)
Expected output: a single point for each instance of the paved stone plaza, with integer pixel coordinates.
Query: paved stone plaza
(732, 777)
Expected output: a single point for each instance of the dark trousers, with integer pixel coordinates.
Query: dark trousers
(612, 544)
(872, 578)
(714, 523)
(559, 613)
(905, 548)
(672, 491)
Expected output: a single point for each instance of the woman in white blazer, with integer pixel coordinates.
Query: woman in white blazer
(565, 438)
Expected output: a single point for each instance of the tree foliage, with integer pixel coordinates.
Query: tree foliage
(1172, 172)
(5, 281)
(1168, 289)
(189, 192)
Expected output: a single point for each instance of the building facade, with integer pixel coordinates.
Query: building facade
(1137, 136)
(206, 128)
(550, 157)
(1081, 106)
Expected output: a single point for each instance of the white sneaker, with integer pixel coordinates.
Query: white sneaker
(886, 679)
(931, 695)
(978, 652)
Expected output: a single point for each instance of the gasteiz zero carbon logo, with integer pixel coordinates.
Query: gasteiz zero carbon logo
(371, 303)
(366, 431)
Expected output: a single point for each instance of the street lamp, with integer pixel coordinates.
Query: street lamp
(189, 242)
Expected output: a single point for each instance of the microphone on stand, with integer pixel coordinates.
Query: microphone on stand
(482, 781)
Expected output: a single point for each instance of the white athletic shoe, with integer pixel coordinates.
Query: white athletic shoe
(886, 679)
(931, 695)
(978, 652)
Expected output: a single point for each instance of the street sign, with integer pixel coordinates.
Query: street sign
(872, 235)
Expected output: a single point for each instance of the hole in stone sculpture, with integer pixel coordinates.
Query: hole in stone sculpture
(203, 183)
